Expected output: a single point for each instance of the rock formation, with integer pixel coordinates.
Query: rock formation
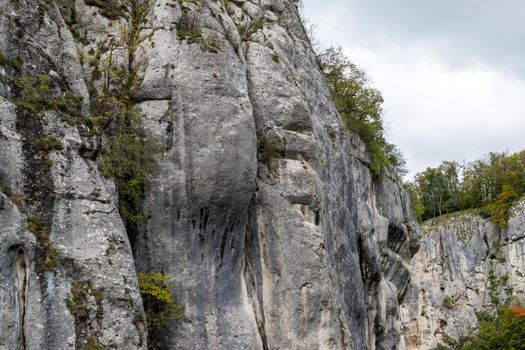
(463, 259)
(261, 206)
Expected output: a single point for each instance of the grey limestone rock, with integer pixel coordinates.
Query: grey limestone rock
(68, 275)
(451, 274)
(261, 207)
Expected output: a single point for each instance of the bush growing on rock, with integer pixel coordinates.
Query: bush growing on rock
(128, 159)
(37, 95)
(159, 303)
(505, 330)
(360, 106)
(500, 325)
(12, 62)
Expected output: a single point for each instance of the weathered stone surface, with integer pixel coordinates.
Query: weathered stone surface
(76, 214)
(301, 248)
(450, 274)
(267, 252)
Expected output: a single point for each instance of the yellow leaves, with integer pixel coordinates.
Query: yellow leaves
(507, 194)
(499, 210)
(158, 299)
(156, 285)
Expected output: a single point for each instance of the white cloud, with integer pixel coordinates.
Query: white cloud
(435, 110)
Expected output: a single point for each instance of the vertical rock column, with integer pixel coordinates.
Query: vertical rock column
(69, 278)
(196, 105)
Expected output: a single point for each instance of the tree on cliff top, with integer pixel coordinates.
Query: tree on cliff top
(360, 106)
(491, 184)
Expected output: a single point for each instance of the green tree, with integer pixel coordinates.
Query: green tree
(128, 154)
(417, 206)
(438, 189)
(128, 158)
(499, 209)
(360, 106)
(491, 184)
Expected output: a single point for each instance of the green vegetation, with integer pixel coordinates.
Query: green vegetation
(269, 149)
(42, 8)
(191, 35)
(246, 32)
(79, 306)
(500, 325)
(189, 29)
(158, 300)
(48, 144)
(275, 58)
(361, 110)
(16, 198)
(128, 158)
(448, 302)
(35, 226)
(491, 184)
(183, 7)
(112, 9)
(77, 303)
(417, 207)
(500, 208)
(504, 330)
(128, 155)
(12, 62)
(332, 133)
(92, 344)
(36, 95)
(33, 94)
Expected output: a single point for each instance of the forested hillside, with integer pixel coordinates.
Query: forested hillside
(491, 184)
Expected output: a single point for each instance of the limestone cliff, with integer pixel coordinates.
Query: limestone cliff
(261, 205)
(460, 254)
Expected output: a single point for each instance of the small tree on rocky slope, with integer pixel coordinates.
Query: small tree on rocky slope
(360, 106)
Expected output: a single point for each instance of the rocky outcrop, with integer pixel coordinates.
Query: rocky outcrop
(68, 277)
(463, 259)
(261, 206)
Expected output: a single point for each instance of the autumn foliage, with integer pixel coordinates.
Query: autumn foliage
(518, 311)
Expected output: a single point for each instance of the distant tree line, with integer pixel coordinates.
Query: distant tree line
(491, 184)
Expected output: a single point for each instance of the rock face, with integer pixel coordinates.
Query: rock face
(459, 257)
(68, 277)
(261, 206)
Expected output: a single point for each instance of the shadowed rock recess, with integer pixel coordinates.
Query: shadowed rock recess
(260, 207)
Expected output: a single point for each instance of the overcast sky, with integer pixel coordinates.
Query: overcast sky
(452, 72)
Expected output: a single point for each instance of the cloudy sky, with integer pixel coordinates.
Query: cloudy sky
(452, 72)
